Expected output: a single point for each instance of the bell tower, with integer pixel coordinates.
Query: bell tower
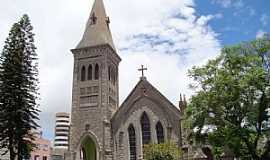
(95, 91)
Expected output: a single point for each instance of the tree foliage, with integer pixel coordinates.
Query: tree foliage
(18, 90)
(163, 151)
(231, 108)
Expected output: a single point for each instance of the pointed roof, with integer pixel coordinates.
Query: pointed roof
(152, 94)
(97, 30)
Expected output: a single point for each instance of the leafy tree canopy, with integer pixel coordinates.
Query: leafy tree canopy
(163, 151)
(231, 108)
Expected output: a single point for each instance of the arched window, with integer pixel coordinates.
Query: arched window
(109, 72)
(83, 74)
(96, 72)
(116, 76)
(132, 142)
(113, 76)
(160, 133)
(146, 131)
(90, 71)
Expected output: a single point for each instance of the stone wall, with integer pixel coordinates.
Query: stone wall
(155, 115)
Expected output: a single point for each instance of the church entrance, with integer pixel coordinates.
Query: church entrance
(88, 150)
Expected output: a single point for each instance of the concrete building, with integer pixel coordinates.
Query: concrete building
(62, 125)
(41, 152)
(61, 139)
(43, 148)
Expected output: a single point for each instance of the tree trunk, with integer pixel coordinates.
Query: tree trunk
(12, 154)
(20, 151)
(11, 146)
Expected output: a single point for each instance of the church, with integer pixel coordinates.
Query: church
(101, 128)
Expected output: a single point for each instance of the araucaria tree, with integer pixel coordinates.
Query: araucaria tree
(231, 108)
(18, 90)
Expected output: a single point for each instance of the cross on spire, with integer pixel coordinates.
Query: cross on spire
(142, 69)
(97, 31)
(93, 19)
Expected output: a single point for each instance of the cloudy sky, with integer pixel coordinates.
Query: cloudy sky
(168, 36)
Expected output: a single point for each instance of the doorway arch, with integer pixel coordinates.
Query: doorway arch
(88, 150)
(88, 147)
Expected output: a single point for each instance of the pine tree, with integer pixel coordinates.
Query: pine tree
(18, 90)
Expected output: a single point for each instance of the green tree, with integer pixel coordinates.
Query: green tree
(163, 151)
(232, 102)
(18, 90)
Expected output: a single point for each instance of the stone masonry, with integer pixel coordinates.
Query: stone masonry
(100, 128)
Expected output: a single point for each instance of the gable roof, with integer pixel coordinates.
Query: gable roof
(152, 94)
(98, 33)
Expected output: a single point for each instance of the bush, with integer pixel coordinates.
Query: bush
(163, 151)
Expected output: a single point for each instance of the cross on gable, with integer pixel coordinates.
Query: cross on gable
(142, 69)
(93, 18)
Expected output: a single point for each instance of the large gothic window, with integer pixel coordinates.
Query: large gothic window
(96, 72)
(90, 71)
(83, 74)
(146, 129)
(132, 142)
(160, 132)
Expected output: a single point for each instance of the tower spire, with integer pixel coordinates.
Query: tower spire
(97, 30)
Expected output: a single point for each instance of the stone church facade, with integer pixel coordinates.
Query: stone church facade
(101, 129)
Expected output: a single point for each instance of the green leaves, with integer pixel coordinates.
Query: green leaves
(233, 97)
(163, 151)
(18, 89)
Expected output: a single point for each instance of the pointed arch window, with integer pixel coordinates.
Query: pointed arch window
(96, 72)
(132, 142)
(160, 132)
(109, 72)
(113, 76)
(83, 74)
(146, 129)
(90, 72)
(116, 76)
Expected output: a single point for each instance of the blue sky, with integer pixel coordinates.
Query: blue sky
(240, 20)
(167, 36)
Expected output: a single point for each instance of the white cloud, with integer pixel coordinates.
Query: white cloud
(260, 34)
(224, 3)
(252, 11)
(183, 39)
(238, 4)
(229, 3)
(264, 19)
(218, 15)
